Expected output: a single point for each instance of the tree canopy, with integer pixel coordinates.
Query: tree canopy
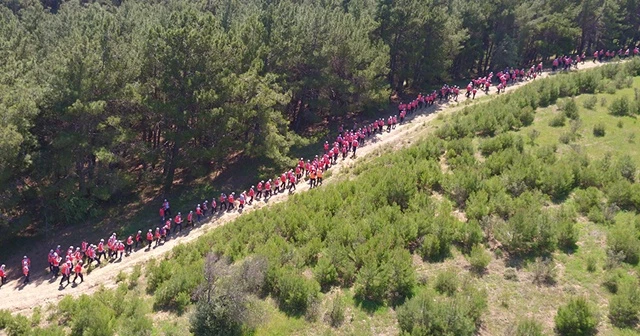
(98, 98)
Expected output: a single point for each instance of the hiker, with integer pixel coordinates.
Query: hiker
(3, 275)
(178, 221)
(78, 272)
(149, 238)
(65, 270)
(26, 264)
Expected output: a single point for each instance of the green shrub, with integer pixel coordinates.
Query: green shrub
(625, 305)
(570, 109)
(446, 282)
(479, 258)
(566, 138)
(294, 292)
(544, 271)
(510, 274)
(5, 318)
(598, 130)
(566, 231)
(558, 120)
(590, 102)
(336, 314)
(325, 273)
(586, 199)
(620, 107)
(592, 264)
(528, 327)
(613, 280)
(576, 318)
(430, 314)
(623, 237)
(20, 326)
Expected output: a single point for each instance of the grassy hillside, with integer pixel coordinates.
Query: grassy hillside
(495, 223)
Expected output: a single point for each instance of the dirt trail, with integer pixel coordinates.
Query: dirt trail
(44, 290)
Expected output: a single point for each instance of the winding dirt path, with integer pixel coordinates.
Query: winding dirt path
(44, 290)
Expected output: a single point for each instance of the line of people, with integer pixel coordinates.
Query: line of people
(347, 141)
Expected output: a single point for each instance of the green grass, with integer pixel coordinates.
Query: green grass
(616, 140)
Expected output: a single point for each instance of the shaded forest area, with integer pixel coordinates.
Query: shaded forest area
(100, 100)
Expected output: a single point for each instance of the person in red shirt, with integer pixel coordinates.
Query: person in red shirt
(25, 272)
(149, 239)
(78, 272)
(178, 221)
(354, 146)
(283, 182)
(259, 189)
(3, 275)
(231, 201)
(267, 189)
(56, 264)
(161, 214)
(157, 236)
(129, 247)
(91, 255)
(138, 238)
(190, 218)
(120, 248)
(101, 251)
(292, 183)
(252, 194)
(165, 230)
(201, 211)
(65, 270)
(326, 147)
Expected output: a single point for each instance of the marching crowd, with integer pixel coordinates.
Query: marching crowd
(73, 261)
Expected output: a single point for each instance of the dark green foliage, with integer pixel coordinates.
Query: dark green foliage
(570, 109)
(598, 130)
(576, 318)
(432, 314)
(293, 291)
(620, 107)
(623, 237)
(479, 258)
(590, 102)
(446, 282)
(501, 142)
(625, 305)
(336, 314)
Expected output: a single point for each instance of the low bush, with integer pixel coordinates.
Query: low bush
(613, 280)
(528, 327)
(510, 274)
(294, 292)
(570, 109)
(620, 107)
(558, 120)
(577, 318)
(325, 273)
(592, 264)
(599, 130)
(590, 102)
(623, 238)
(431, 314)
(336, 314)
(625, 305)
(586, 199)
(544, 271)
(479, 258)
(446, 282)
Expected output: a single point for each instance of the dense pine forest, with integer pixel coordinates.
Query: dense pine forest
(104, 100)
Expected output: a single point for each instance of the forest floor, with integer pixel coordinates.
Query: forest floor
(43, 288)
